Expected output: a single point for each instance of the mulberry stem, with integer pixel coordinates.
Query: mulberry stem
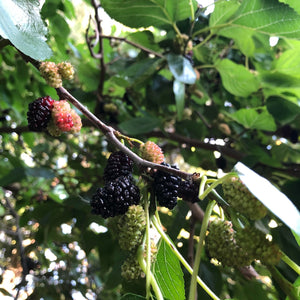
(148, 248)
(193, 286)
(290, 263)
(153, 281)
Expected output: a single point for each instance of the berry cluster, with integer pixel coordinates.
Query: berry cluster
(221, 244)
(55, 73)
(166, 187)
(119, 191)
(152, 152)
(240, 248)
(56, 116)
(242, 200)
(258, 245)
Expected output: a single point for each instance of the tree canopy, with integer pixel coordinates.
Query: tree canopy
(216, 88)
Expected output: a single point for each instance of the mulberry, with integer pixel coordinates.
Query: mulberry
(242, 200)
(152, 152)
(39, 113)
(66, 70)
(115, 197)
(189, 191)
(49, 71)
(166, 187)
(118, 164)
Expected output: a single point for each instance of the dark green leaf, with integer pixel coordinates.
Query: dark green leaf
(282, 110)
(181, 69)
(40, 172)
(144, 38)
(20, 22)
(179, 92)
(144, 13)
(236, 78)
(277, 202)
(14, 175)
(295, 4)
(168, 273)
(253, 119)
(139, 125)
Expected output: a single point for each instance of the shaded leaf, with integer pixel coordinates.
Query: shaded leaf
(20, 22)
(144, 13)
(132, 297)
(252, 119)
(282, 110)
(278, 203)
(236, 78)
(168, 273)
(139, 125)
(181, 69)
(295, 4)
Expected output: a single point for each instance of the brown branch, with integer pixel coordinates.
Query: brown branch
(111, 135)
(125, 40)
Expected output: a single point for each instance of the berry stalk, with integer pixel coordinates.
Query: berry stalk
(155, 222)
(148, 247)
(153, 282)
(290, 263)
(205, 222)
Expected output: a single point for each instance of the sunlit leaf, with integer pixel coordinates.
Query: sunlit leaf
(236, 78)
(254, 119)
(277, 202)
(168, 273)
(20, 22)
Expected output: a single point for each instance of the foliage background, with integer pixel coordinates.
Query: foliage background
(228, 91)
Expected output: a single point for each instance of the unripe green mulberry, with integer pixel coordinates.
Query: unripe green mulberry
(221, 244)
(66, 70)
(49, 72)
(131, 228)
(131, 270)
(258, 245)
(242, 200)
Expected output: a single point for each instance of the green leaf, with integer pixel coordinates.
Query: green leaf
(181, 69)
(20, 22)
(168, 273)
(40, 172)
(253, 119)
(295, 4)
(223, 11)
(144, 38)
(289, 63)
(297, 237)
(139, 125)
(14, 175)
(282, 110)
(144, 13)
(179, 92)
(277, 202)
(236, 78)
(269, 17)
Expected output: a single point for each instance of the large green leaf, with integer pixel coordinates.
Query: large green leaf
(253, 119)
(268, 16)
(277, 202)
(20, 22)
(144, 13)
(168, 273)
(236, 78)
(222, 12)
